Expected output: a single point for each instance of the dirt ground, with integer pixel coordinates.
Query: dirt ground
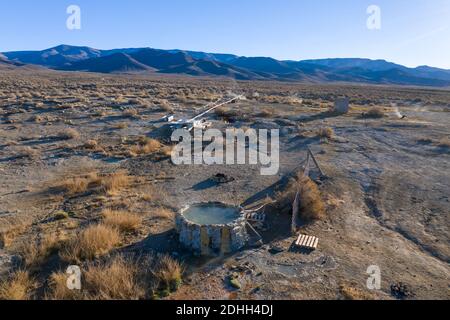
(386, 188)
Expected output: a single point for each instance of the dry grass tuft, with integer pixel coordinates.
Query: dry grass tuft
(327, 133)
(19, 286)
(59, 290)
(11, 229)
(167, 151)
(69, 134)
(91, 144)
(113, 183)
(266, 113)
(147, 146)
(152, 193)
(163, 213)
(130, 113)
(312, 206)
(352, 293)
(444, 142)
(374, 113)
(169, 273)
(93, 242)
(227, 114)
(79, 185)
(37, 252)
(120, 125)
(122, 220)
(164, 105)
(27, 152)
(118, 279)
(107, 184)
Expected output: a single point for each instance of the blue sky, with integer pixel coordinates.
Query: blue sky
(413, 32)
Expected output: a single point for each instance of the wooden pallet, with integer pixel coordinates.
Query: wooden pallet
(307, 242)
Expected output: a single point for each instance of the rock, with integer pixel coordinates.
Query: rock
(255, 290)
(401, 291)
(7, 262)
(61, 215)
(235, 283)
(221, 178)
(276, 250)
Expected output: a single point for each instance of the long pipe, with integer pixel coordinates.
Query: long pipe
(215, 107)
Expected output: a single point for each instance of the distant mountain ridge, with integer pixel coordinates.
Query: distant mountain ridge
(196, 63)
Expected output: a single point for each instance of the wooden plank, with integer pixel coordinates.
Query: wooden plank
(295, 210)
(316, 242)
(253, 229)
(304, 241)
(308, 238)
(299, 239)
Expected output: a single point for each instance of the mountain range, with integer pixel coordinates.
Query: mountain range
(194, 63)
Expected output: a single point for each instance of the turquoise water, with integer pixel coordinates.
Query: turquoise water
(209, 214)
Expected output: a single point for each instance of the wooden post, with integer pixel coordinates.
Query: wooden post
(295, 212)
(315, 162)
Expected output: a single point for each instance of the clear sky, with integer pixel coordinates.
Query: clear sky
(413, 32)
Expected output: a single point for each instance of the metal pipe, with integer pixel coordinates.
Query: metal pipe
(215, 107)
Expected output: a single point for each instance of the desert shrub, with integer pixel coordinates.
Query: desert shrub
(228, 115)
(77, 185)
(37, 119)
(37, 251)
(166, 151)
(425, 140)
(113, 183)
(162, 213)
(266, 113)
(444, 142)
(58, 289)
(312, 206)
(374, 113)
(90, 144)
(27, 152)
(12, 227)
(164, 105)
(352, 293)
(117, 279)
(169, 273)
(327, 133)
(130, 112)
(122, 220)
(69, 134)
(19, 286)
(120, 125)
(153, 194)
(107, 184)
(92, 242)
(146, 147)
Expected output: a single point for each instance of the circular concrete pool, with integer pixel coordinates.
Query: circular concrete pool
(212, 228)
